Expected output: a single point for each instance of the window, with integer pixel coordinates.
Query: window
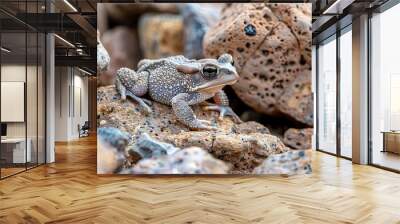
(22, 75)
(385, 89)
(327, 96)
(346, 93)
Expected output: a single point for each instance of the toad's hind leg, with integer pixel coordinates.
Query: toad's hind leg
(181, 106)
(128, 79)
(132, 84)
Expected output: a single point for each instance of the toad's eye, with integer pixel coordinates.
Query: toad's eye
(210, 71)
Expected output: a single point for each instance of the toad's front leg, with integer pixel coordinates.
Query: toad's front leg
(132, 84)
(181, 106)
(222, 106)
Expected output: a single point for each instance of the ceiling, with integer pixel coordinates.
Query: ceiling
(331, 15)
(74, 22)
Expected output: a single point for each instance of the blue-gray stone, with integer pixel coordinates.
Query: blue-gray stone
(197, 19)
(148, 147)
(115, 137)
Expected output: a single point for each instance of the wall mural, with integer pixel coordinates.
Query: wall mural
(204, 88)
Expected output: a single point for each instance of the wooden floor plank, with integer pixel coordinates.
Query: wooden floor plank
(70, 191)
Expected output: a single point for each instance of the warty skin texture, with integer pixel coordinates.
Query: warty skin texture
(181, 82)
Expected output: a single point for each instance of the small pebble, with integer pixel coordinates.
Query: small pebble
(250, 30)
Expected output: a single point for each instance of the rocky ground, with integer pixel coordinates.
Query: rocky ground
(242, 147)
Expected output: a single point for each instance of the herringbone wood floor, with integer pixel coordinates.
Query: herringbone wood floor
(69, 191)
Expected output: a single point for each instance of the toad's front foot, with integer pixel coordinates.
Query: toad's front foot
(184, 113)
(202, 125)
(224, 110)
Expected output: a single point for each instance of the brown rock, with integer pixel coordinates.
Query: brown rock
(121, 45)
(298, 138)
(297, 100)
(243, 151)
(161, 35)
(250, 127)
(102, 18)
(125, 12)
(297, 17)
(236, 144)
(270, 44)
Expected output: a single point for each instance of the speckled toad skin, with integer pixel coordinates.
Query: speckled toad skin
(181, 82)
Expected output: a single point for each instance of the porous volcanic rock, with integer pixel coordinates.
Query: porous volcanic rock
(298, 138)
(243, 151)
(297, 100)
(237, 144)
(161, 35)
(271, 47)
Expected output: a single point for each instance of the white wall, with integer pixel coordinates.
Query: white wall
(80, 109)
(61, 103)
(12, 73)
(33, 126)
(71, 94)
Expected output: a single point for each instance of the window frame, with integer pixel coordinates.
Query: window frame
(334, 37)
(381, 9)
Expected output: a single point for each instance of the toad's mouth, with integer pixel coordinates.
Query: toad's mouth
(214, 84)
